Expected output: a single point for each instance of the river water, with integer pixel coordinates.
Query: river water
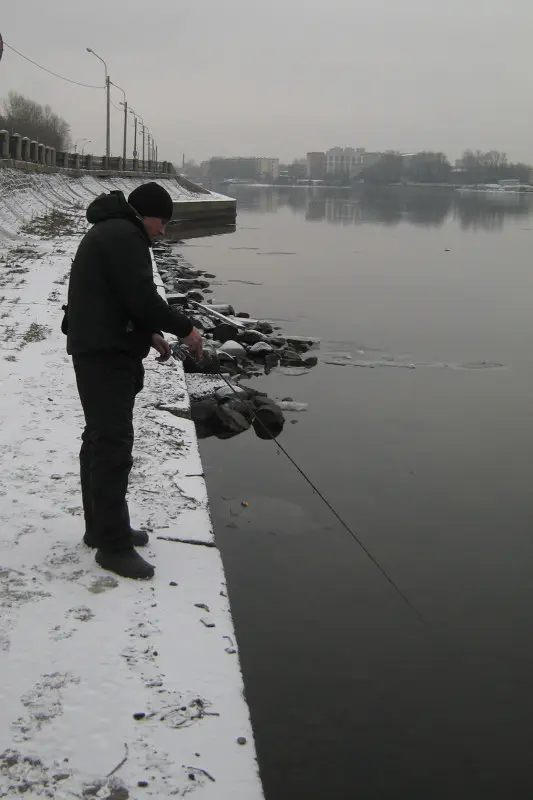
(420, 433)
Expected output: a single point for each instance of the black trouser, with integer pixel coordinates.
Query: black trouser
(107, 385)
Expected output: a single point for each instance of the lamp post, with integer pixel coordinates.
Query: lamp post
(144, 133)
(134, 136)
(108, 105)
(135, 117)
(125, 104)
(87, 141)
(78, 141)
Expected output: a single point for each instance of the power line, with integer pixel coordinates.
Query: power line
(55, 74)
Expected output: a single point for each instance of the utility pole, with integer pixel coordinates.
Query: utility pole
(108, 122)
(135, 137)
(108, 104)
(125, 104)
(136, 118)
(125, 131)
(144, 133)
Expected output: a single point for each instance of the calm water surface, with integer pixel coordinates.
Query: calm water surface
(432, 466)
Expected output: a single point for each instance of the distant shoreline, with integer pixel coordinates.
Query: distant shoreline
(357, 184)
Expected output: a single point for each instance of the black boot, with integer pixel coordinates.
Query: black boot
(138, 539)
(127, 563)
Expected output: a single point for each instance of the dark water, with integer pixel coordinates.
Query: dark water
(432, 466)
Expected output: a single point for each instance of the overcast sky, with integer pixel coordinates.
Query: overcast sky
(281, 77)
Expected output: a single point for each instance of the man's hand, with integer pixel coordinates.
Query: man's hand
(160, 344)
(194, 343)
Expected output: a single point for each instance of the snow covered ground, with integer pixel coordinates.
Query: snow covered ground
(109, 688)
(25, 195)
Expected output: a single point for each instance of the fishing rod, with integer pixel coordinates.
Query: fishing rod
(405, 599)
(467, 751)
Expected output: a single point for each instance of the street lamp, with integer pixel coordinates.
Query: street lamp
(78, 141)
(144, 150)
(108, 110)
(135, 117)
(125, 104)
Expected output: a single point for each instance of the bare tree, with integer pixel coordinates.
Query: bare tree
(21, 115)
(479, 167)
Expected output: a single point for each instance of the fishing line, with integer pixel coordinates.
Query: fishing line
(467, 752)
(473, 763)
(335, 513)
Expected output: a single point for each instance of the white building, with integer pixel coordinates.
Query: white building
(369, 159)
(345, 160)
(268, 168)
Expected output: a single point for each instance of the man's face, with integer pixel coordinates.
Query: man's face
(154, 226)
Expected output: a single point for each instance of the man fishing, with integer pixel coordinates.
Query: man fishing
(114, 315)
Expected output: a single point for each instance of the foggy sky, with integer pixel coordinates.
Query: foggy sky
(280, 78)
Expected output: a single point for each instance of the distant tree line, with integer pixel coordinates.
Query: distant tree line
(428, 167)
(490, 167)
(19, 114)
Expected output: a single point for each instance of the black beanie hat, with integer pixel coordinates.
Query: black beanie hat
(151, 200)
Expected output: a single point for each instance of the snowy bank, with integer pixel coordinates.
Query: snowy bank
(109, 688)
(26, 195)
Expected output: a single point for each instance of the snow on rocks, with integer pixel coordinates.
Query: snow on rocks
(83, 653)
(233, 349)
(260, 348)
(252, 337)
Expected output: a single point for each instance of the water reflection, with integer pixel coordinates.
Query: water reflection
(190, 229)
(427, 207)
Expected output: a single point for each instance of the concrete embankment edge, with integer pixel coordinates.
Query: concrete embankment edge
(82, 653)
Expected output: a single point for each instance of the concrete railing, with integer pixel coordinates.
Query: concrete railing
(20, 148)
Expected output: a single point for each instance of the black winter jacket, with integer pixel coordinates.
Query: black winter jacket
(113, 302)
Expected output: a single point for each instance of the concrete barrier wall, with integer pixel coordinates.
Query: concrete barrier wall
(17, 148)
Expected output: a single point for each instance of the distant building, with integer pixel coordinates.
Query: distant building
(408, 159)
(316, 166)
(347, 161)
(369, 159)
(297, 171)
(340, 161)
(254, 169)
(268, 169)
